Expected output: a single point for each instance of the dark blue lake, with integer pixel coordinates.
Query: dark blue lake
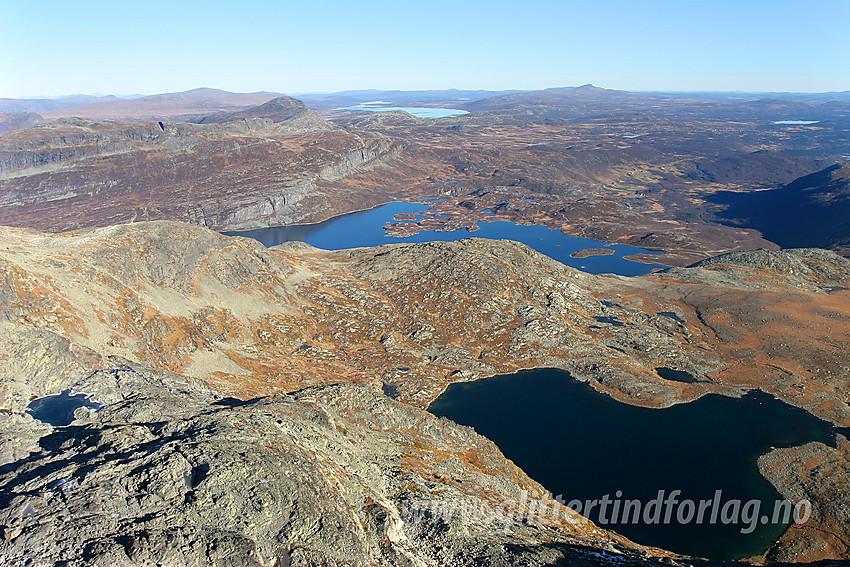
(366, 228)
(583, 445)
(58, 409)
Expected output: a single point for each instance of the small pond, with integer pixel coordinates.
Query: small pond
(58, 409)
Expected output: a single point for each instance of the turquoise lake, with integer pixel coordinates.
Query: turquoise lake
(418, 111)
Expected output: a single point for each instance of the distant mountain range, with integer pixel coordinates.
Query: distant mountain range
(197, 103)
(168, 106)
(44, 104)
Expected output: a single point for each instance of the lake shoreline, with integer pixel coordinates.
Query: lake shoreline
(527, 387)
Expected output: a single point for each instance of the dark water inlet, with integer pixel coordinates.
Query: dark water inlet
(610, 321)
(671, 315)
(58, 409)
(366, 228)
(676, 375)
(583, 444)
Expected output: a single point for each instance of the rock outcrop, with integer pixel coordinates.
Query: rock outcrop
(285, 115)
(169, 473)
(821, 475)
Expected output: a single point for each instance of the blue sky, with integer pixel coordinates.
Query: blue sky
(64, 47)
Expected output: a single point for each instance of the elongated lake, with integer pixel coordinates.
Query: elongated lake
(366, 228)
(418, 111)
(584, 445)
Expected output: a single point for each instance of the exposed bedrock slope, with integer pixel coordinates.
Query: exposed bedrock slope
(256, 168)
(166, 473)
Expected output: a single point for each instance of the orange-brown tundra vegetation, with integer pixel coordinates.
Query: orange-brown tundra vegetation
(411, 319)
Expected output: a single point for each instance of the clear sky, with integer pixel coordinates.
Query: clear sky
(122, 47)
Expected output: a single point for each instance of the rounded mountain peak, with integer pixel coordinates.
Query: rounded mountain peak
(278, 109)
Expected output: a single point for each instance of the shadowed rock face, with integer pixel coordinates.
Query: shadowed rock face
(814, 210)
(221, 316)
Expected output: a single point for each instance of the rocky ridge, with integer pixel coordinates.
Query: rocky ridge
(288, 115)
(242, 170)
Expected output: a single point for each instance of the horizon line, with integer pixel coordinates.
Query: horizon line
(515, 90)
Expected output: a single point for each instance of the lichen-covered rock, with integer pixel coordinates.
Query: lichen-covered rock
(338, 475)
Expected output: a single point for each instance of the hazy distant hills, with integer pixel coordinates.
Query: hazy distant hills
(551, 96)
(561, 102)
(566, 102)
(813, 211)
(13, 120)
(589, 101)
(44, 104)
(447, 97)
(195, 103)
(741, 95)
(403, 96)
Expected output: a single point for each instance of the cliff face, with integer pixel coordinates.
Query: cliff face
(208, 316)
(239, 170)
